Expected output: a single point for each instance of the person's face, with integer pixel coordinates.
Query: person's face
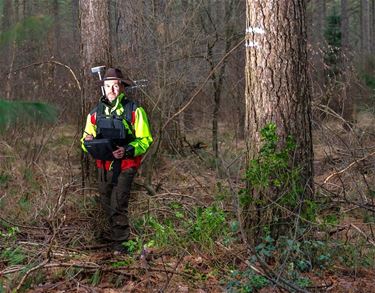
(112, 89)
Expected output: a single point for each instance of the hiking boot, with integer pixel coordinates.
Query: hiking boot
(119, 249)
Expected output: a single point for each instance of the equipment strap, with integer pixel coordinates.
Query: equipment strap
(129, 107)
(116, 171)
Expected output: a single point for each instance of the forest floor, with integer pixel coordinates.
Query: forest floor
(186, 237)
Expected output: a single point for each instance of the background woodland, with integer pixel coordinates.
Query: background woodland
(190, 229)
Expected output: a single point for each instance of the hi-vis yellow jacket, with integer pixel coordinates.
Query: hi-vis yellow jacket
(139, 127)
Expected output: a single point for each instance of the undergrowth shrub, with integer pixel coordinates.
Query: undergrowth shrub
(275, 187)
(11, 254)
(183, 230)
(245, 282)
(293, 252)
(209, 225)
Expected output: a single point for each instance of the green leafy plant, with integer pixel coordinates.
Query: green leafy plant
(201, 228)
(208, 225)
(274, 180)
(11, 233)
(266, 247)
(136, 245)
(122, 263)
(245, 282)
(270, 169)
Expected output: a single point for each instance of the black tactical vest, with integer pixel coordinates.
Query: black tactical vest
(112, 125)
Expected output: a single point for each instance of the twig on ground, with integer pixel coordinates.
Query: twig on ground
(348, 167)
(166, 272)
(22, 226)
(93, 267)
(363, 234)
(42, 264)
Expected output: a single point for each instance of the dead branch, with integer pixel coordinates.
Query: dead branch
(170, 278)
(49, 62)
(348, 167)
(41, 265)
(92, 267)
(330, 111)
(363, 234)
(202, 85)
(22, 226)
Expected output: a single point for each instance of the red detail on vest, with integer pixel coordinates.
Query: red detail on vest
(125, 164)
(133, 117)
(93, 118)
(99, 164)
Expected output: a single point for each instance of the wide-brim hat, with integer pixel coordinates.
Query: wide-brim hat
(116, 74)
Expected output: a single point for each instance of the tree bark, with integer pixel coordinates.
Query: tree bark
(95, 45)
(75, 20)
(95, 51)
(278, 89)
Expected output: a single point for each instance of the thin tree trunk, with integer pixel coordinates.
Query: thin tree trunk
(318, 23)
(56, 29)
(218, 77)
(320, 16)
(365, 27)
(344, 26)
(346, 101)
(9, 50)
(372, 26)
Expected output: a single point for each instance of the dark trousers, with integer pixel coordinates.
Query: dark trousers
(115, 200)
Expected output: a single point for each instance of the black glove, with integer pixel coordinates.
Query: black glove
(129, 151)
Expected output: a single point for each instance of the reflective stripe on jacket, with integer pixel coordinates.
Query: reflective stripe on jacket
(139, 127)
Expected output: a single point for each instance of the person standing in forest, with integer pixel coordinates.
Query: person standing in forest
(115, 114)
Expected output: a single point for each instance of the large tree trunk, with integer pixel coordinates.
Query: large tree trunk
(278, 90)
(95, 45)
(95, 51)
